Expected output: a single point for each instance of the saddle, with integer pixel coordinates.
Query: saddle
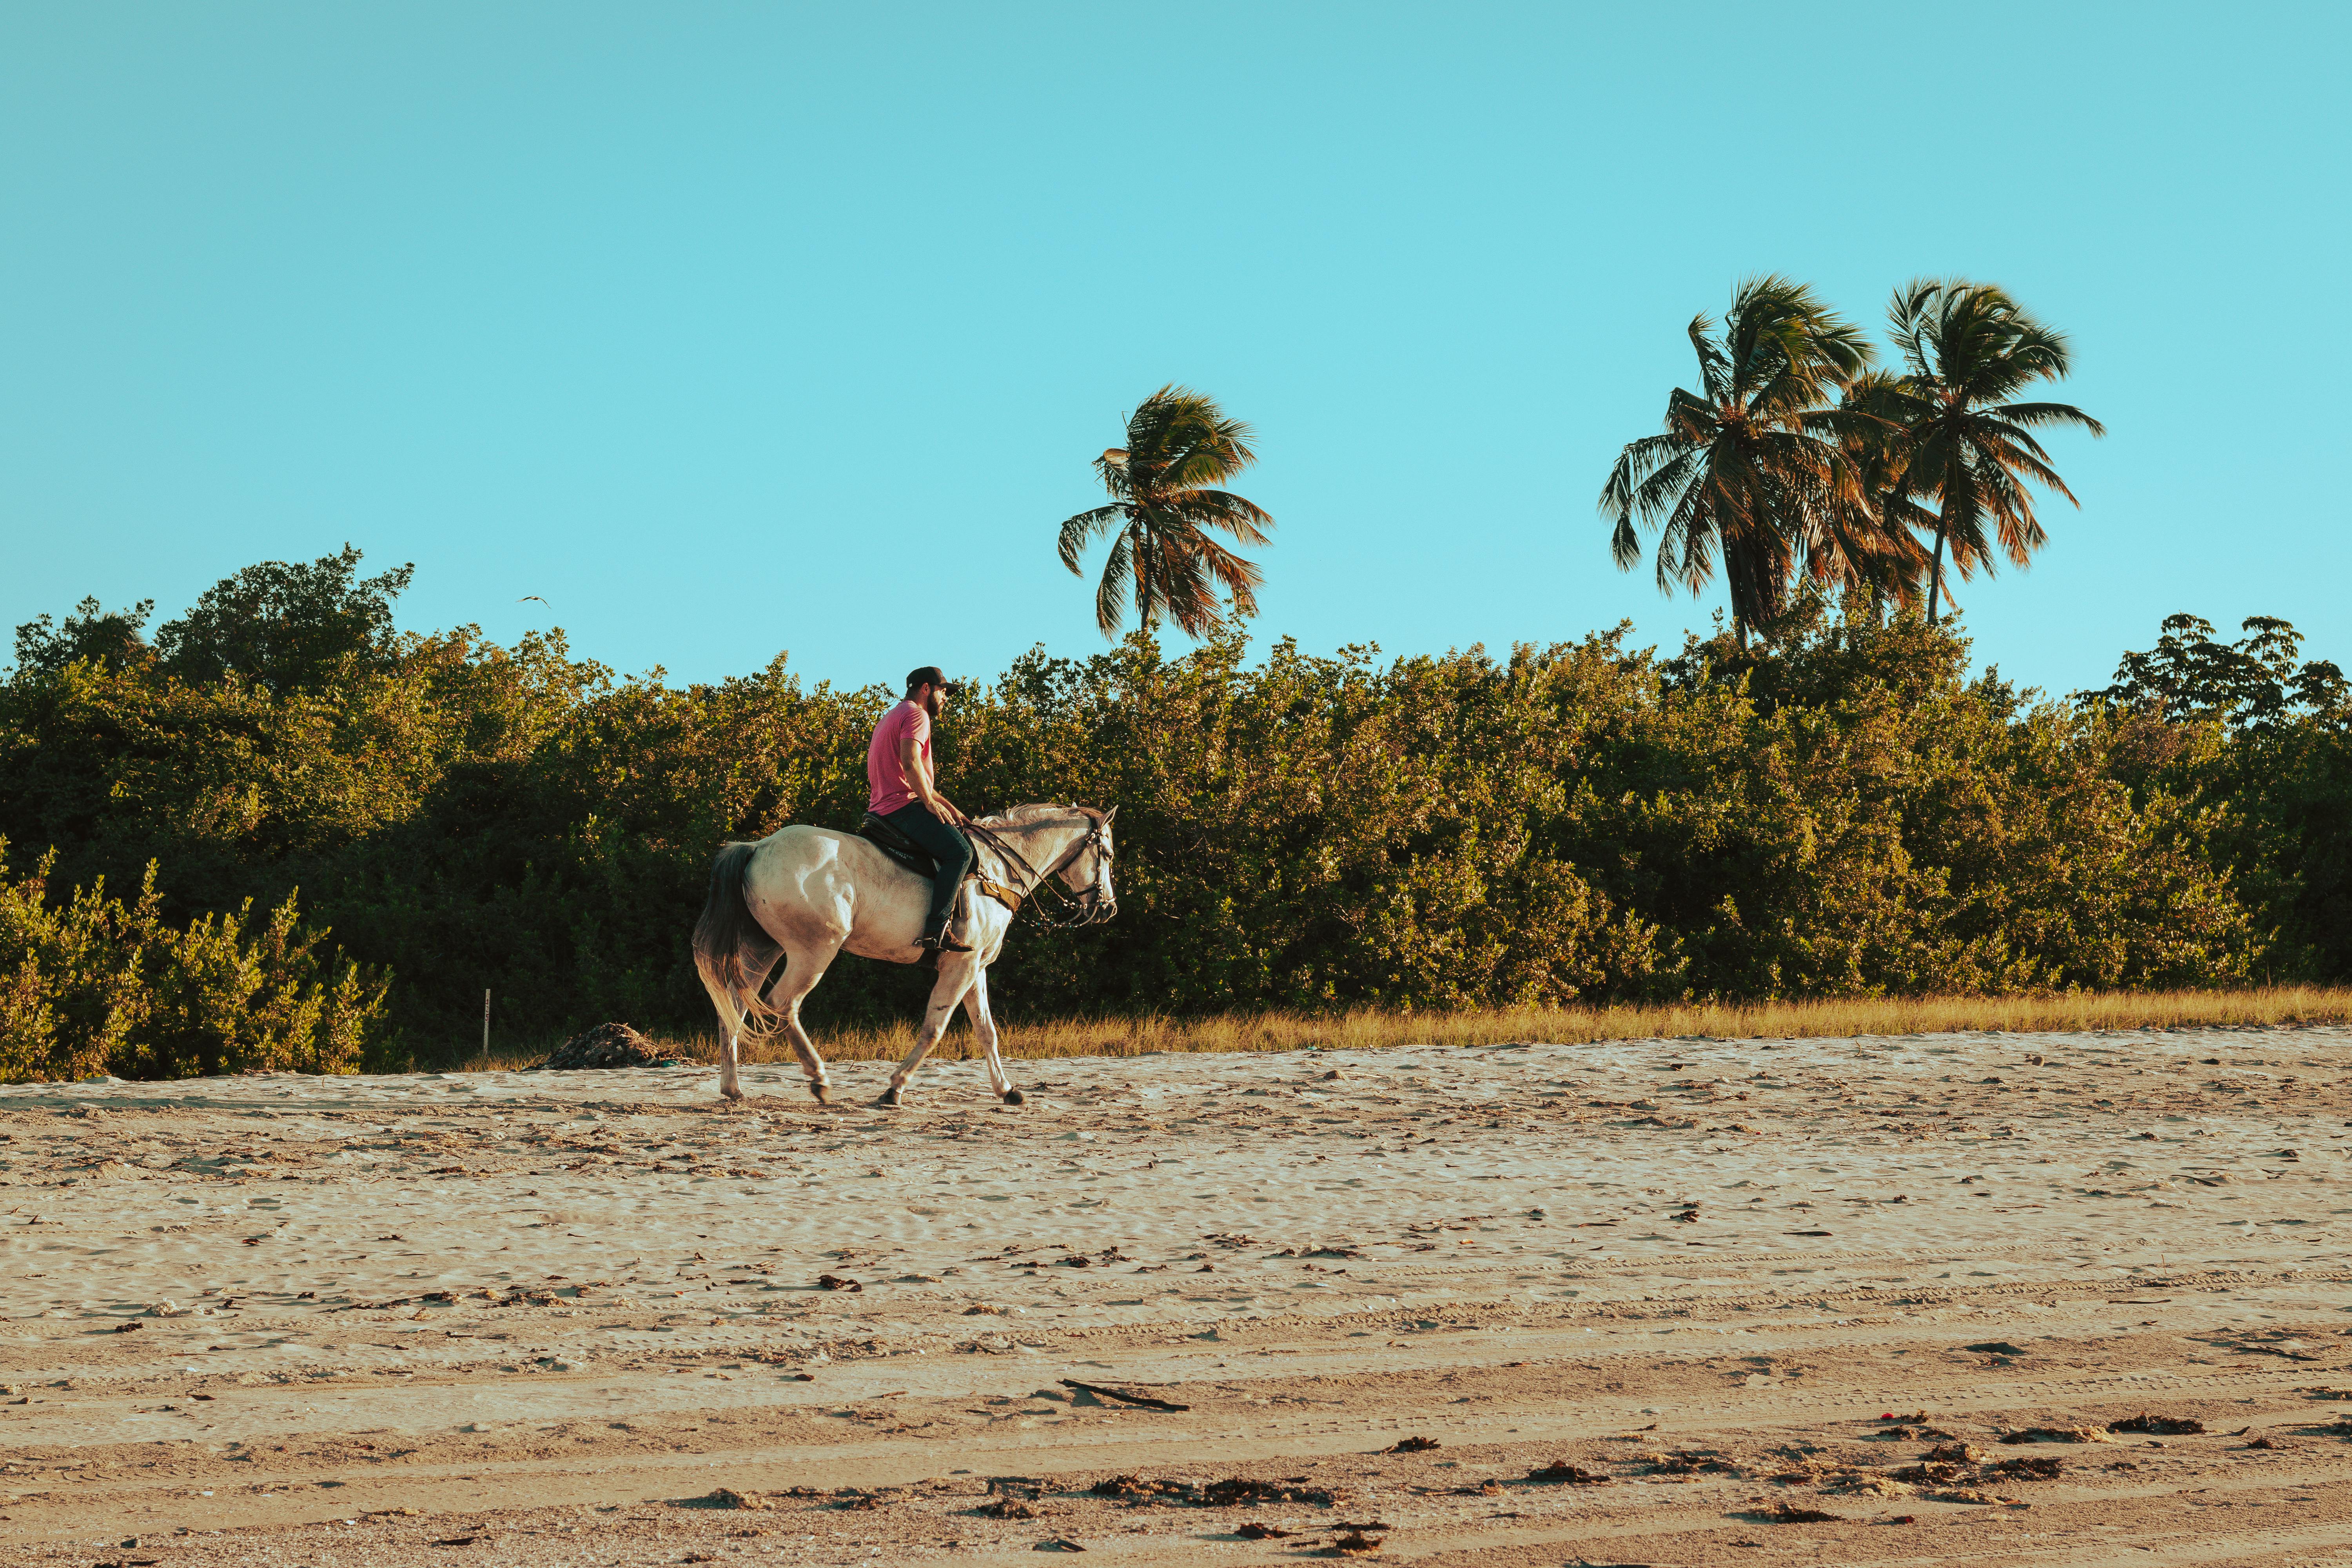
(879, 832)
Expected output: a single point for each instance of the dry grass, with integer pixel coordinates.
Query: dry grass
(1766, 1020)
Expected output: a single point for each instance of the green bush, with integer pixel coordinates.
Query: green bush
(91, 985)
(2260, 742)
(1842, 811)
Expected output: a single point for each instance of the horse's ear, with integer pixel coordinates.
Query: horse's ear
(1111, 812)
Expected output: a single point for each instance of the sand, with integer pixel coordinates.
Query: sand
(542, 1318)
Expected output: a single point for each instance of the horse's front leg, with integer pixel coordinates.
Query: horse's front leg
(956, 973)
(803, 967)
(984, 1029)
(805, 1050)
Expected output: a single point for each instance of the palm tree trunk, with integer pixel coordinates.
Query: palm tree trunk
(1936, 574)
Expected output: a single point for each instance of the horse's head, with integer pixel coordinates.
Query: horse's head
(1086, 873)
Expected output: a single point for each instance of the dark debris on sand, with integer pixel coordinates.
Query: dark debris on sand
(605, 1046)
(1216, 1494)
(2158, 1426)
(1561, 1472)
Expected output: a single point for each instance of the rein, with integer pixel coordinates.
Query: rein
(1038, 880)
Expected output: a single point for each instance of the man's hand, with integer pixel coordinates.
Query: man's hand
(944, 810)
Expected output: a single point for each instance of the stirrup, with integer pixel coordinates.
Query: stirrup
(940, 941)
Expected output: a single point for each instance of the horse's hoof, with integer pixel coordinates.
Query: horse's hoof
(824, 1093)
(729, 1091)
(888, 1097)
(1015, 1097)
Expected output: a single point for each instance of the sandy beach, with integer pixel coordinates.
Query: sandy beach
(1684, 1301)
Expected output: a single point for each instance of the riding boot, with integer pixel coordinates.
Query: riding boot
(952, 855)
(951, 927)
(937, 937)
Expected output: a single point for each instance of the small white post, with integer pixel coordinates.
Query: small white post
(485, 1030)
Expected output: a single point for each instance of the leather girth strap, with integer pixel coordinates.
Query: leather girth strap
(997, 891)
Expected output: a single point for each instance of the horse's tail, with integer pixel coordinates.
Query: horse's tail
(726, 937)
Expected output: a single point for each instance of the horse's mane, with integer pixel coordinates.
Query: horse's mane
(1023, 816)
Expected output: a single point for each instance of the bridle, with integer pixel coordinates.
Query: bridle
(1089, 908)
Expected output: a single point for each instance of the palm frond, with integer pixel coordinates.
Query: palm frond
(1239, 576)
(1985, 431)
(1078, 531)
(2014, 452)
(1787, 348)
(1635, 468)
(1625, 545)
(1119, 573)
(1179, 439)
(1901, 509)
(1687, 538)
(1222, 510)
(1655, 495)
(2036, 415)
(1907, 315)
(2012, 509)
(1713, 373)
(1148, 579)
(1184, 589)
(1844, 422)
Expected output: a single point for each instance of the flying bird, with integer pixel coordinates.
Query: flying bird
(527, 598)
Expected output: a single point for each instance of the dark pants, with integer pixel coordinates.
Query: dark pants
(944, 845)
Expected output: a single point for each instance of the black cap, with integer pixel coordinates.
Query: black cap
(930, 675)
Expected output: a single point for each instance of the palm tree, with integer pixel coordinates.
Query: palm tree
(1886, 561)
(1179, 443)
(1968, 347)
(1750, 465)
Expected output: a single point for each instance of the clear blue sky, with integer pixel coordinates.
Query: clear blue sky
(733, 328)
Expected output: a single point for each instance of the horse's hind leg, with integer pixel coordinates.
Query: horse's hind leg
(803, 967)
(984, 1029)
(734, 1008)
(957, 973)
(731, 1053)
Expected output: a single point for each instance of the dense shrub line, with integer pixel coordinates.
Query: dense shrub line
(92, 985)
(1841, 810)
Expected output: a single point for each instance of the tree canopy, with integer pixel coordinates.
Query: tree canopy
(1165, 505)
(287, 627)
(1749, 468)
(1759, 469)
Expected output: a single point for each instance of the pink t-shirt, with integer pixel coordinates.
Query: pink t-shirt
(888, 787)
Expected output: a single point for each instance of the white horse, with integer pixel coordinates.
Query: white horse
(807, 893)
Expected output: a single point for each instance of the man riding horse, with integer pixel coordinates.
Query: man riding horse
(782, 907)
(903, 791)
